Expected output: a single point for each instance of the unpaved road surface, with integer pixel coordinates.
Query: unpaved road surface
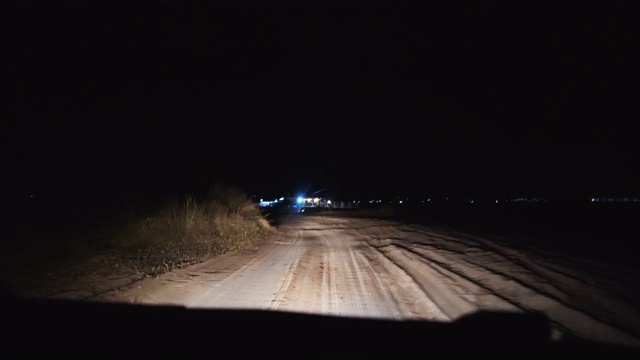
(369, 268)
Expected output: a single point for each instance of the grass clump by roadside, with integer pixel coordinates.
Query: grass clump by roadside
(188, 230)
(144, 241)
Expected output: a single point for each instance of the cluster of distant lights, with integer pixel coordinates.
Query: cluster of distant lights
(634, 200)
(508, 200)
(300, 201)
(267, 203)
(303, 201)
(469, 201)
(315, 201)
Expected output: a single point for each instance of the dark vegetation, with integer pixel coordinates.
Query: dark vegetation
(51, 241)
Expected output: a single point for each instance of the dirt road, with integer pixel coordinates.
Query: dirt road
(382, 269)
(313, 265)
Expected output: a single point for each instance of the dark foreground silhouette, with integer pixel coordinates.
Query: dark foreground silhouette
(46, 329)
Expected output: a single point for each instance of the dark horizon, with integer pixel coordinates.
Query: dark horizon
(357, 99)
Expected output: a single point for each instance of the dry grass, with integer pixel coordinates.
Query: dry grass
(178, 233)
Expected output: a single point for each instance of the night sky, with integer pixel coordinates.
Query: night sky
(349, 99)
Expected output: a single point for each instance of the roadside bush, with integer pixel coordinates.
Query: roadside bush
(184, 232)
(142, 240)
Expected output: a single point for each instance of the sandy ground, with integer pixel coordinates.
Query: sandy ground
(381, 269)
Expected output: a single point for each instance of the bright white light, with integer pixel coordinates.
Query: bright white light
(300, 199)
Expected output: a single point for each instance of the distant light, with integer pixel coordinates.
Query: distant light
(300, 199)
(282, 198)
